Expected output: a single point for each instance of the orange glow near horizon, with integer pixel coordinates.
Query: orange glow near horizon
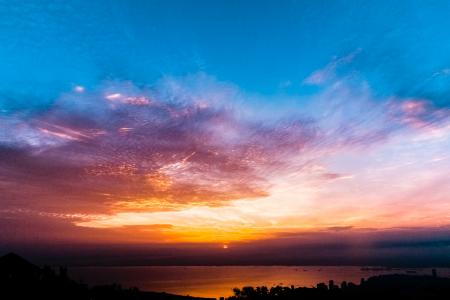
(295, 202)
(204, 171)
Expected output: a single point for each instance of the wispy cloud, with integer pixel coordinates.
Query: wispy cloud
(192, 153)
(328, 74)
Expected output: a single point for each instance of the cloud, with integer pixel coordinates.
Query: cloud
(418, 114)
(185, 152)
(339, 228)
(328, 74)
(125, 148)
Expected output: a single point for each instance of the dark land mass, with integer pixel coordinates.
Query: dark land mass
(377, 287)
(20, 279)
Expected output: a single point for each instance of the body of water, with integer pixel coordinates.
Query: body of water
(217, 281)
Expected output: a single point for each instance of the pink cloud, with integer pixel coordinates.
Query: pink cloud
(186, 144)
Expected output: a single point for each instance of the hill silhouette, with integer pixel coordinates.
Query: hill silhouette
(19, 279)
(14, 265)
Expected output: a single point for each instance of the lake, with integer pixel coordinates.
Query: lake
(217, 281)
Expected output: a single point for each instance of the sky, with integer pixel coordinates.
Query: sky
(224, 123)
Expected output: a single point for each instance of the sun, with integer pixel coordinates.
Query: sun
(225, 246)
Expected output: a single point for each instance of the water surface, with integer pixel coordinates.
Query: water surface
(216, 281)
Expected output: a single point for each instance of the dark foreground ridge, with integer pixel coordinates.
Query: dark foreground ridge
(20, 279)
(377, 287)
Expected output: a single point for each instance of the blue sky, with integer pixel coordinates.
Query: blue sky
(265, 47)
